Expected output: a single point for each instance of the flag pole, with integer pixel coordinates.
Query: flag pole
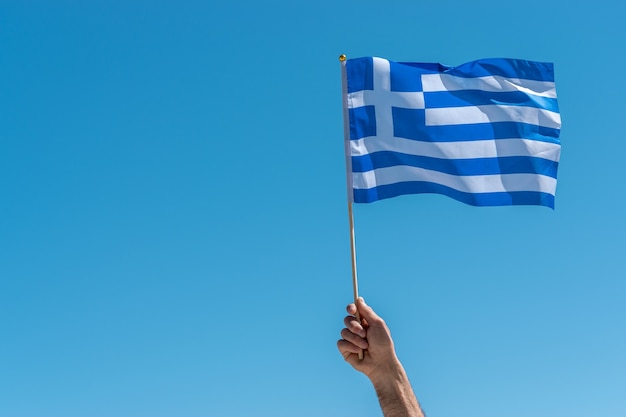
(346, 137)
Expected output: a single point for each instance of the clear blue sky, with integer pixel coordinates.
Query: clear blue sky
(174, 233)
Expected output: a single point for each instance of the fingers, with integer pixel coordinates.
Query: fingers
(354, 339)
(351, 309)
(353, 335)
(346, 348)
(354, 326)
(367, 312)
(351, 353)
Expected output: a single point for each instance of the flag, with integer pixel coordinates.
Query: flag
(485, 133)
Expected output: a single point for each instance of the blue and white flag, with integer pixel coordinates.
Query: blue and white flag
(485, 133)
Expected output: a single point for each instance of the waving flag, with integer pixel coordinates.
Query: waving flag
(485, 133)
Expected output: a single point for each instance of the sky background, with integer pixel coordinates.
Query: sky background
(174, 231)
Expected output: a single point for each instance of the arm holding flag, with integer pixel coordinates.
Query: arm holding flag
(380, 363)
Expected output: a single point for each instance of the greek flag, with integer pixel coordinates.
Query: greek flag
(485, 133)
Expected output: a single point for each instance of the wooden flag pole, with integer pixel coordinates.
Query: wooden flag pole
(346, 136)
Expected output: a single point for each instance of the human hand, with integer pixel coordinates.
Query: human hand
(372, 336)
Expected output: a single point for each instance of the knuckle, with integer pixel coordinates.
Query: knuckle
(354, 325)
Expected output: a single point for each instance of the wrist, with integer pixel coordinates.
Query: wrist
(389, 373)
(394, 391)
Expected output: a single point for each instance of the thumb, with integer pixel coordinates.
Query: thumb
(366, 311)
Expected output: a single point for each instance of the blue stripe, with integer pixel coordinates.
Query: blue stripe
(465, 98)
(409, 124)
(509, 68)
(477, 199)
(497, 130)
(462, 167)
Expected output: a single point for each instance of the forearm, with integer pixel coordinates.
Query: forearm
(394, 392)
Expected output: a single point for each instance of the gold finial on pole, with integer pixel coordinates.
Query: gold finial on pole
(342, 58)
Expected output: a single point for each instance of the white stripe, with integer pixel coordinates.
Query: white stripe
(467, 184)
(381, 76)
(459, 150)
(407, 100)
(492, 113)
(446, 82)
(381, 87)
